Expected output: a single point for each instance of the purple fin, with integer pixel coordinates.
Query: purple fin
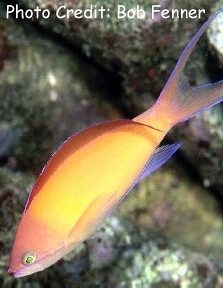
(158, 158)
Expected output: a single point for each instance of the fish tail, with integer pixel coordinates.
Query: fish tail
(179, 101)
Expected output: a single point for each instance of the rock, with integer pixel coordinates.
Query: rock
(172, 203)
(46, 94)
(139, 258)
(215, 35)
(14, 188)
(8, 140)
(143, 52)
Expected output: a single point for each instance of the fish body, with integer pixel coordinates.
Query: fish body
(74, 191)
(88, 176)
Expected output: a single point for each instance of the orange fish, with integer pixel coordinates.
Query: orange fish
(94, 170)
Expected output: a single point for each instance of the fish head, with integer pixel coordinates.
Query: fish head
(36, 246)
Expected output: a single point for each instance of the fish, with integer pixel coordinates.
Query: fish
(94, 170)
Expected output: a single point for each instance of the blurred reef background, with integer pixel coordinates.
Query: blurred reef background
(58, 77)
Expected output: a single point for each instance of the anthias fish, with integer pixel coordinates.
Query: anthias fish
(94, 170)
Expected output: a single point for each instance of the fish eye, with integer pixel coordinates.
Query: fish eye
(29, 258)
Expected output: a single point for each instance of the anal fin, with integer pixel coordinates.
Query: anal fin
(160, 156)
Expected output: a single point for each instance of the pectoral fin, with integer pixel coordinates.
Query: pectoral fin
(93, 216)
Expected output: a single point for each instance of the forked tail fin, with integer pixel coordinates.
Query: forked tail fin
(179, 101)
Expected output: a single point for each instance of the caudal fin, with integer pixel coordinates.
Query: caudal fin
(179, 101)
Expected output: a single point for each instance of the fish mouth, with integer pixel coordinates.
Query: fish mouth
(26, 270)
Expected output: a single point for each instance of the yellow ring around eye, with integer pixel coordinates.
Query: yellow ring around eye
(29, 258)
